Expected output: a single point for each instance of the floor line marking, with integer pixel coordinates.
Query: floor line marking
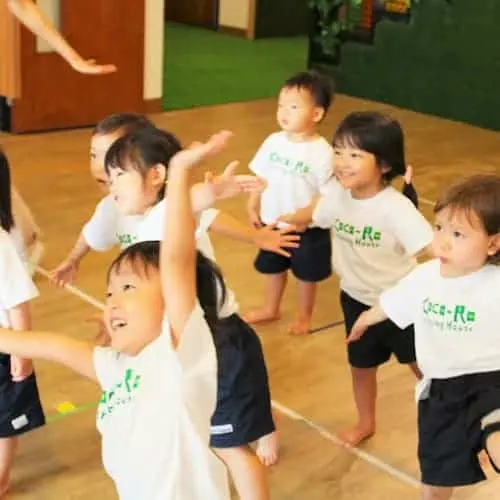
(325, 433)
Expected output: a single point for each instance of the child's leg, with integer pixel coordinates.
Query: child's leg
(307, 297)
(429, 492)
(364, 384)
(248, 473)
(8, 448)
(415, 370)
(275, 287)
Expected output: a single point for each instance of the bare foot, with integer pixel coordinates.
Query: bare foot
(268, 449)
(261, 316)
(354, 436)
(300, 326)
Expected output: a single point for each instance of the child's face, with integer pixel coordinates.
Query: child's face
(297, 112)
(357, 170)
(99, 145)
(134, 309)
(133, 193)
(461, 243)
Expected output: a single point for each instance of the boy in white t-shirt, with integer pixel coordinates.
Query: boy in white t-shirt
(453, 302)
(296, 164)
(377, 233)
(159, 375)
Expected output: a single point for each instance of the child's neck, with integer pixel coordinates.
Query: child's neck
(302, 136)
(367, 192)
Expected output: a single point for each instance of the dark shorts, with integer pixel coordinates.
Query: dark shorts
(379, 342)
(310, 262)
(243, 412)
(20, 407)
(449, 428)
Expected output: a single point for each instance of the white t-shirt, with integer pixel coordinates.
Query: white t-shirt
(295, 173)
(152, 229)
(108, 227)
(154, 417)
(16, 286)
(456, 319)
(374, 240)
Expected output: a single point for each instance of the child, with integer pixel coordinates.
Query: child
(377, 232)
(21, 408)
(160, 309)
(108, 227)
(136, 164)
(296, 163)
(453, 302)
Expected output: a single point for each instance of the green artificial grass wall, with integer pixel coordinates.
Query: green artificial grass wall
(445, 62)
(203, 67)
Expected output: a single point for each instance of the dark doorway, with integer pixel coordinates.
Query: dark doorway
(196, 12)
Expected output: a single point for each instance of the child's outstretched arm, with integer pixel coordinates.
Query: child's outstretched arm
(302, 217)
(66, 271)
(369, 318)
(178, 248)
(32, 17)
(74, 354)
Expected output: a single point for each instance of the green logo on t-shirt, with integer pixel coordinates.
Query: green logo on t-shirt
(120, 395)
(455, 318)
(290, 166)
(367, 236)
(126, 239)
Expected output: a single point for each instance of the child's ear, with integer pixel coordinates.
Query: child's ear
(318, 115)
(494, 246)
(159, 174)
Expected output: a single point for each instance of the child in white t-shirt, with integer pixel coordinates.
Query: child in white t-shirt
(377, 232)
(108, 227)
(136, 164)
(20, 407)
(159, 375)
(296, 163)
(453, 302)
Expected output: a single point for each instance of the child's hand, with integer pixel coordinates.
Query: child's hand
(198, 151)
(289, 219)
(89, 67)
(359, 328)
(273, 240)
(64, 273)
(20, 368)
(229, 185)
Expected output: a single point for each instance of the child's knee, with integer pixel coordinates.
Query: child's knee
(429, 492)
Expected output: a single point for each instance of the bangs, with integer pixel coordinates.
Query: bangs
(140, 259)
(123, 154)
(345, 139)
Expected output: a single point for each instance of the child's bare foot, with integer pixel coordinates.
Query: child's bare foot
(300, 326)
(261, 316)
(268, 449)
(354, 436)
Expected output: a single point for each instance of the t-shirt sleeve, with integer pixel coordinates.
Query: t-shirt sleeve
(258, 165)
(105, 365)
(206, 219)
(401, 302)
(16, 286)
(410, 227)
(327, 206)
(323, 169)
(100, 231)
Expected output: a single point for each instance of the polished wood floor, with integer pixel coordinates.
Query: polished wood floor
(308, 375)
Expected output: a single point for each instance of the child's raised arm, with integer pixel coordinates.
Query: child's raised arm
(178, 248)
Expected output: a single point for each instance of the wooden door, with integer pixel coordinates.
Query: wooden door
(54, 96)
(196, 12)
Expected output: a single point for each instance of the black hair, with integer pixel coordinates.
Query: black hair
(141, 150)
(210, 287)
(377, 134)
(6, 217)
(319, 86)
(124, 122)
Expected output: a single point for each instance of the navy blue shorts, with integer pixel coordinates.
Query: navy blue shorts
(310, 262)
(20, 410)
(379, 342)
(243, 412)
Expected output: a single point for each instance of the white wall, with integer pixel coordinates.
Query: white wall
(234, 13)
(153, 48)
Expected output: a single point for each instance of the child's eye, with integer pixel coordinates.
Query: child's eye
(128, 287)
(457, 234)
(108, 295)
(437, 227)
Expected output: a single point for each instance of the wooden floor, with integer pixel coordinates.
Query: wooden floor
(309, 375)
